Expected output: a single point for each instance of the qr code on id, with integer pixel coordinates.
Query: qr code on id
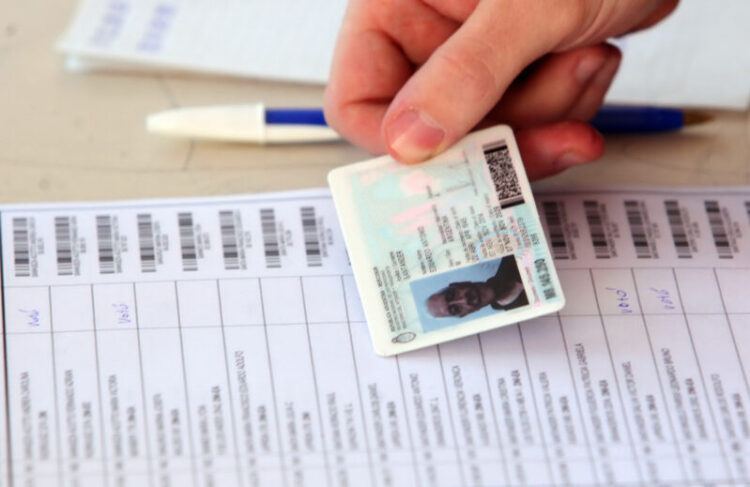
(503, 175)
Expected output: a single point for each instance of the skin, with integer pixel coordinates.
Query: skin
(463, 298)
(411, 77)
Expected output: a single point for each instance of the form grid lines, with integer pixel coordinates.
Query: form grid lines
(350, 320)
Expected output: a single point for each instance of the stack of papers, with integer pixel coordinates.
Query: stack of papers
(698, 57)
(280, 39)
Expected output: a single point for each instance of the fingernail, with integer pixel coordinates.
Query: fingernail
(588, 66)
(414, 136)
(570, 159)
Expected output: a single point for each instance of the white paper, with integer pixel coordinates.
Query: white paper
(221, 342)
(281, 39)
(698, 57)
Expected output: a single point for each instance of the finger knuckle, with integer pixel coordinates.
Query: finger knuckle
(472, 65)
(580, 17)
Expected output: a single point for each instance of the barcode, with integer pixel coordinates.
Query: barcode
(64, 246)
(542, 273)
(229, 244)
(747, 209)
(552, 214)
(187, 241)
(105, 245)
(312, 241)
(596, 229)
(270, 239)
(503, 174)
(21, 249)
(146, 242)
(719, 232)
(634, 211)
(677, 226)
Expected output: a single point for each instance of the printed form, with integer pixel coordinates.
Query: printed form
(221, 342)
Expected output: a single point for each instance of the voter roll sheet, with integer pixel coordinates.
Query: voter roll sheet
(222, 341)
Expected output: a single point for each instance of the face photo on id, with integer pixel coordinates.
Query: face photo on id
(502, 291)
(469, 292)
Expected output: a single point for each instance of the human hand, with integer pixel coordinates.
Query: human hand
(411, 77)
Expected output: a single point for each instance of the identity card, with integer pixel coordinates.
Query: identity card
(447, 248)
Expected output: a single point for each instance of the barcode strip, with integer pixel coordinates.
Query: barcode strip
(596, 229)
(312, 241)
(21, 249)
(63, 246)
(229, 244)
(503, 174)
(719, 232)
(187, 242)
(558, 243)
(270, 239)
(677, 227)
(105, 245)
(146, 242)
(634, 211)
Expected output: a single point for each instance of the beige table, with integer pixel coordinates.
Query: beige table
(67, 136)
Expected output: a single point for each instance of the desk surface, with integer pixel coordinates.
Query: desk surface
(66, 136)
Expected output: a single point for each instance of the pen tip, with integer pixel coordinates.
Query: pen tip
(694, 117)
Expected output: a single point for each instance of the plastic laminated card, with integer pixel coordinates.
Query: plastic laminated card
(447, 248)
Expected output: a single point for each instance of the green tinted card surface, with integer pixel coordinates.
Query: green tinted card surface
(447, 248)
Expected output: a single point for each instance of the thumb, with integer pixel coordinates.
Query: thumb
(466, 76)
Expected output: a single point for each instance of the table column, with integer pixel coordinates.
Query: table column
(734, 285)
(432, 426)
(649, 398)
(209, 399)
(32, 410)
(721, 372)
(254, 403)
(78, 393)
(391, 445)
(121, 385)
(482, 456)
(513, 403)
(336, 377)
(162, 360)
(673, 350)
(591, 346)
(295, 383)
(642, 392)
(557, 401)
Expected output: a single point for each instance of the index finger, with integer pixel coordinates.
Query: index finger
(375, 56)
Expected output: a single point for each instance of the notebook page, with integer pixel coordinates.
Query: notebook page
(220, 341)
(283, 39)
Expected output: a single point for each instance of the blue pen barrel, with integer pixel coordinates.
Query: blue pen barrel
(625, 119)
(295, 116)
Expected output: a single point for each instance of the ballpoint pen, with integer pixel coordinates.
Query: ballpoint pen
(626, 119)
(257, 124)
(244, 123)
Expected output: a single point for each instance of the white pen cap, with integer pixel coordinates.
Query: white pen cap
(235, 123)
(245, 123)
